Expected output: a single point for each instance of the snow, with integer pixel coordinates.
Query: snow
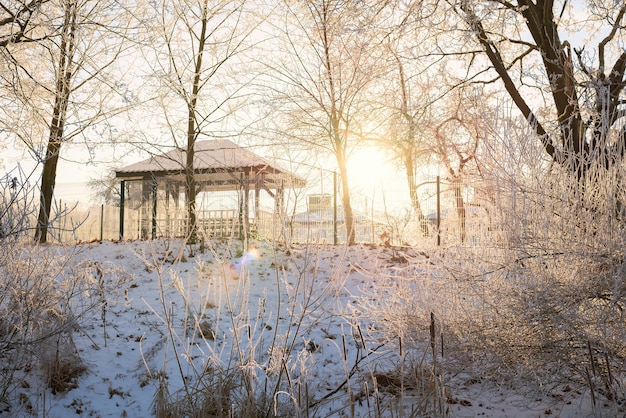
(304, 301)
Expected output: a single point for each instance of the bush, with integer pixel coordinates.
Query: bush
(542, 299)
(43, 295)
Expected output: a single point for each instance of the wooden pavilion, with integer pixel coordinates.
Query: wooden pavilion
(219, 166)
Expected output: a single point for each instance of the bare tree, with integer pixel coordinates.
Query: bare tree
(411, 95)
(19, 22)
(525, 44)
(62, 85)
(65, 71)
(198, 39)
(106, 189)
(85, 39)
(408, 140)
(457, 138)
(326, 67)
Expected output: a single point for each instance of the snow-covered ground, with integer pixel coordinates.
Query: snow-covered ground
(266, 313)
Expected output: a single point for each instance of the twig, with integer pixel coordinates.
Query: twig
(345, 382)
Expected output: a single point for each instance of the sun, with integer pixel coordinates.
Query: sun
(369, 167)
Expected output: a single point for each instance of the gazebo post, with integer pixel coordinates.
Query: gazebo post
(177, 228)
(246, 204)
(257, 196)
(122, 198)
(279, 201)
(167, 209)
(154, 207)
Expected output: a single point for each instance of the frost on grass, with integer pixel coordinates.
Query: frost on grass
(538, 306)
(47, 296)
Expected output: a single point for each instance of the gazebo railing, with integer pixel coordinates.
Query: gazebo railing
(218, 223)
(221, 223)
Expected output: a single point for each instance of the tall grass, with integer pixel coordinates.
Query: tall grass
(248, 372)
(230, 354)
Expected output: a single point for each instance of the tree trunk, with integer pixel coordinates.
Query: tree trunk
(57, 125)
(408, 152)
(48, 182)
(415, 202)
(190, 178)
(348, 216)
(190, 185)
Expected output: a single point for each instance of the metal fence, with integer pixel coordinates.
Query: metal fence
(385, 213)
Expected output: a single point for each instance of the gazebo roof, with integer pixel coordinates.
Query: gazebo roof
(216, 162)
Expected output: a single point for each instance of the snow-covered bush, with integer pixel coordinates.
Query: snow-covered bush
(552, 294)
(542, 299)
(46, 296)
(43, 295)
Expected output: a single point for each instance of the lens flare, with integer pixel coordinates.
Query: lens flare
(233, 269)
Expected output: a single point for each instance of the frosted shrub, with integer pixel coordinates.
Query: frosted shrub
(542, 300)
(44, 293)
(556, 299)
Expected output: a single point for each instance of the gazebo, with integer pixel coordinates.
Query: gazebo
(219, 166)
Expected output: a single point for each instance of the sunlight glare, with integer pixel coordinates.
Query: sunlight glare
(369, 167)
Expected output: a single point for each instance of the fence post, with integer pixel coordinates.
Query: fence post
(122, 196)
(438, 211)
(58, 219)
(154, 207)
(335, 238)
(102, 222)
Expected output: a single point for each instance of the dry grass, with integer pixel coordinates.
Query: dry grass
(541, 300)
(61, 364)
(44, 294)
(266, 372)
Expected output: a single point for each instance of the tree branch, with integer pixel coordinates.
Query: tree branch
(498, 64)
(20, 17)
(609, 37)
